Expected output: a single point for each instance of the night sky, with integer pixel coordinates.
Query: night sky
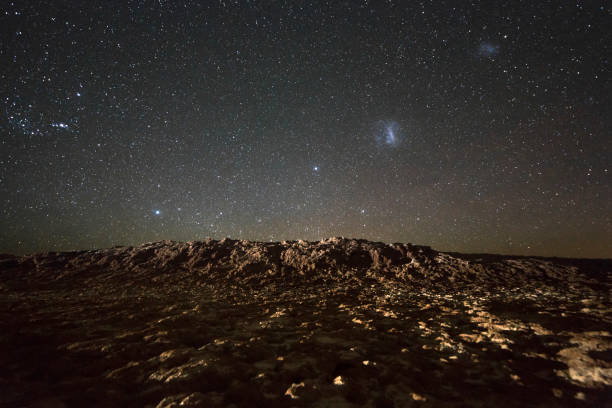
(467, 126)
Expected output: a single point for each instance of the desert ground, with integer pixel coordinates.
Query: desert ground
(332, 323)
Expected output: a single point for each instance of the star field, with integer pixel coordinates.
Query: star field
(467, 126)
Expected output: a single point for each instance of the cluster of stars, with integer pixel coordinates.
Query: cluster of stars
(476, 128)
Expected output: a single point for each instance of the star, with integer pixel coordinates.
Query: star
(434, 123)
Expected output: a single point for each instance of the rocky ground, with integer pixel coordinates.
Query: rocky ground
(336, 323)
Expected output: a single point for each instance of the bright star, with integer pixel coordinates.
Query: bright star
(316, 168)
(157, 212)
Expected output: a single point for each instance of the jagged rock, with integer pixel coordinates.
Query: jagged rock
(337, 322)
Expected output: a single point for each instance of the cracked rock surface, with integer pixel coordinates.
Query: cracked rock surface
(335, 323)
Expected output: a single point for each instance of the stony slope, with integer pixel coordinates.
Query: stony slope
(338, 322)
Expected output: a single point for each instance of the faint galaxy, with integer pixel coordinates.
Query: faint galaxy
(467, 126)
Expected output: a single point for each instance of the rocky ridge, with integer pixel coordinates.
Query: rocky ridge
(338, 322)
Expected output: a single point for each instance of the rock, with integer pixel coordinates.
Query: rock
(294, 389)
(194, 400)
(185, 372)
(338, 322)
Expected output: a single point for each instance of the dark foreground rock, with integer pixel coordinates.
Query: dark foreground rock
(336, 323)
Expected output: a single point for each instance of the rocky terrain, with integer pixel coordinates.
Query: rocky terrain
(335, 323)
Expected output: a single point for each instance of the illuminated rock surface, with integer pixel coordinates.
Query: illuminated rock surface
(336, 323)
